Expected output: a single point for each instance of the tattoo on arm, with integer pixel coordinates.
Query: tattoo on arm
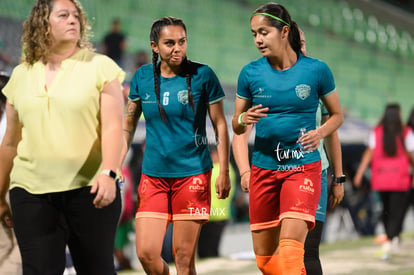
(131, 110)
(132, 113)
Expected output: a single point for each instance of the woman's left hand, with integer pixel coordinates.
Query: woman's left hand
(311, 140)
(337, 194)
(105, 190)
(223, 186)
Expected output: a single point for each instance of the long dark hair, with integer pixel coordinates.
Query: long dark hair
(393, 129)
(186, 64)
(281, 12)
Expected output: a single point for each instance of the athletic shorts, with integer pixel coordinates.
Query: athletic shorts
(275, 195)
(323, 200)
(186, 198)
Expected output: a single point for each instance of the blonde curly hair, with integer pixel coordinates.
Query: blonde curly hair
(36, 38)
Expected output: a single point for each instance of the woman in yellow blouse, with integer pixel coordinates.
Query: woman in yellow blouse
(62, 145)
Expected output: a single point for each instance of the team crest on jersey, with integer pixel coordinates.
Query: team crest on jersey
(303, 91)
(183, 97)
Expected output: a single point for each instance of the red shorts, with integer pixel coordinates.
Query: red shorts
(186, 198)
(288, 193)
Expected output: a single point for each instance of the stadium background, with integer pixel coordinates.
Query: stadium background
(369, 45)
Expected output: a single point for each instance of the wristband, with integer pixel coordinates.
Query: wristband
(338, 180)
(240, 120)
(109, 173)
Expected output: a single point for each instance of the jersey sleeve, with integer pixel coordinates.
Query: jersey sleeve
(324, 111)
(243, 90)
(133, 87)
(213, 87)
(326, 80)
(107, 71)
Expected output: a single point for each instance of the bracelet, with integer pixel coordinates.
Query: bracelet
(240, 120)
(242, 174)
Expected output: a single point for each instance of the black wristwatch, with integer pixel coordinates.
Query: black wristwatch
(109, 173)
(338, 180)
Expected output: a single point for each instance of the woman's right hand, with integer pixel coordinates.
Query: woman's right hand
(5, 214)
(245, 181)
(254, 114)
(357, 180)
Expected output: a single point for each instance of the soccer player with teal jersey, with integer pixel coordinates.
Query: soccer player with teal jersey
(175, 96)
(280, 93)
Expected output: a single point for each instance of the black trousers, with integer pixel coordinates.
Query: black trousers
(393, 212)
(44, 224)
(210, 237)
(313, 240)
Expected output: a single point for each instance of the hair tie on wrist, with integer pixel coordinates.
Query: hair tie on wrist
(242, 174)
(240, 120)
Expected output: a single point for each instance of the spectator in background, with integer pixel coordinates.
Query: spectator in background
(410, 123)
(125, 226)
(5, 60)
(4, 78)
(10, 259)
(114, 43)
(389, 151)
(64, 114)
(141, 58)
(220, 213)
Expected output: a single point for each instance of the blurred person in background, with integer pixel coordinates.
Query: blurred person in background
(175, 95)
(329, 145)
(389, 154)
(141, 58)
(114, 42)
(10, 259)
(410, 123)
(125, 226)
(286, 167)
(62, 145)
(220, 213)
(4, 78)
(4, 61)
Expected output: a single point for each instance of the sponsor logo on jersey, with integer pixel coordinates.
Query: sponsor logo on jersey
(183, 97)
(303, 91)
(286, 154)
(261, 94)
(147, 99)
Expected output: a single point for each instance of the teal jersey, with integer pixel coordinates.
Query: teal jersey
(292, 97)
(178, 147)
(322, 111)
